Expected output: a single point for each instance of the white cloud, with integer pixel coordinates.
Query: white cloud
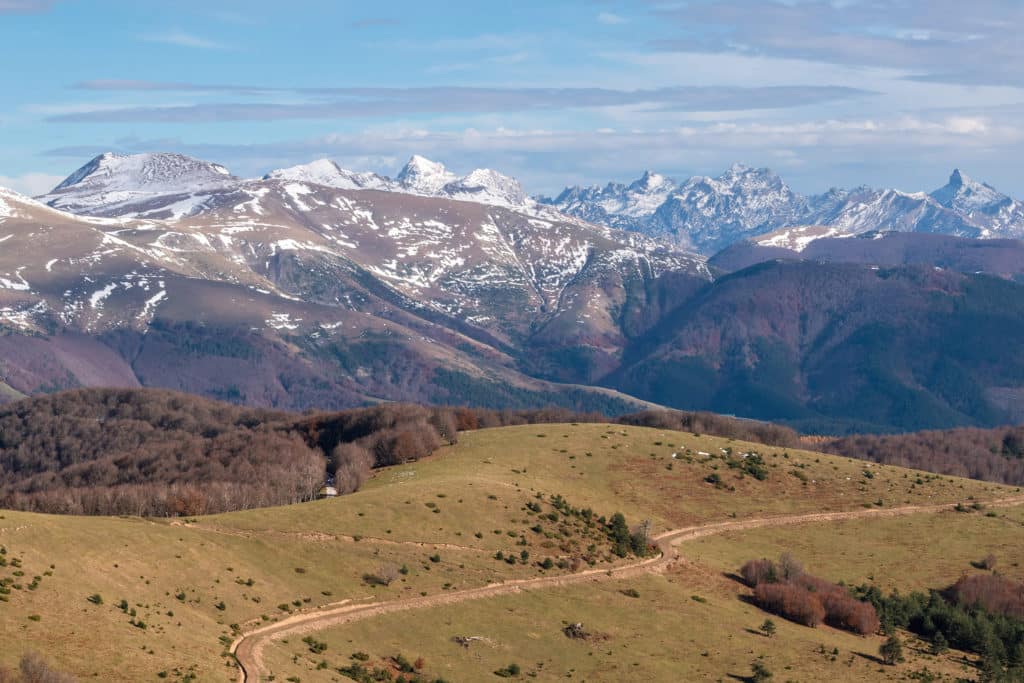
(182, 39)
(31, 184)
(610, 19)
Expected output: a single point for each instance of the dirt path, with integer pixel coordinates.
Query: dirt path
(248, 648)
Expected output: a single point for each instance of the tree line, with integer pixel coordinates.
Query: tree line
(162, 453)
(989, 454)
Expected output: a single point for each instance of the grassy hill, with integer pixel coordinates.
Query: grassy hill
(190, 586)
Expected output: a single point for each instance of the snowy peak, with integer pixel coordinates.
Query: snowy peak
(423, 176)
(157, 171)
(487, 187)
(963, 193)
(157, 185)
(649, 182)
(327, 172)
(616, 205)
(709, 213)
(751, 180)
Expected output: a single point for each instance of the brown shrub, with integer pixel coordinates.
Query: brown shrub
(844, 611)
(790, 601)
(996, 594)
(786, 589)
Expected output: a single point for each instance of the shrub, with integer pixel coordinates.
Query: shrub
(891, 650)
(403, 664)
(384, 576)
(991, 592)
(315, 646)
(759, 673)
(788, 591)
(509, 671)
(793, 602)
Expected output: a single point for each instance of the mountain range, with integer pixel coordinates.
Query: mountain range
(285, 292)
(708, 214)
(318, 287)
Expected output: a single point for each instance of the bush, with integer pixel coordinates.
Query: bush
(384, 576)
(891, 650)
(759, 673)
(993, 593)
(785, 589)
(509, 671)
(793, 602)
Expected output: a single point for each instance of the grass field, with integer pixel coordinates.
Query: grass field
(685, 626)
(195, 583)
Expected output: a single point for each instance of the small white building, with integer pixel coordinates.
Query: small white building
(327, 492)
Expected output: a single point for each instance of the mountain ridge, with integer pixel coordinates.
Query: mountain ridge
(708, 214)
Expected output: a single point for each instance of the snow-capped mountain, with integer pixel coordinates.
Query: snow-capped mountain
(327, 172)
(487, 187)
(351, 283)
(628, 207)
(711, 213)
(703, 213)
(423, 176)
(708, 214)
(156, 184)
(420, 176)
(981, 204)
(171, 186)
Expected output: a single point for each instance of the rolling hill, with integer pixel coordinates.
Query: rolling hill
(143, 598)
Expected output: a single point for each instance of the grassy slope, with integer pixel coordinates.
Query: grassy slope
(916, 552)
(479, 486)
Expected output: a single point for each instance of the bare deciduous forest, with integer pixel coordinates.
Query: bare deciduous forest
(161, 453)
(990, 454)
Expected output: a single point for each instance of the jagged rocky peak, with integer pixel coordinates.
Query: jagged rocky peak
(650, 182)
(423, 176)
(964, 193)
(150, 171)
(747, 177)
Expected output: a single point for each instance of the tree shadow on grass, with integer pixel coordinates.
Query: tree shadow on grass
(733, 576)
(749, 600)
(870, 658)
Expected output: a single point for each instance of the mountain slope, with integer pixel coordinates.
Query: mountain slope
(157, 185)
(837, 347)
(286, 293)
(998, 257)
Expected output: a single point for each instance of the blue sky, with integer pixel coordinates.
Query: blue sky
(826, 92)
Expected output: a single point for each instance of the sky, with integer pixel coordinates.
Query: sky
(828, 93)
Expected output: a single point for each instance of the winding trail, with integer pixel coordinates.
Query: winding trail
(248, 648)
